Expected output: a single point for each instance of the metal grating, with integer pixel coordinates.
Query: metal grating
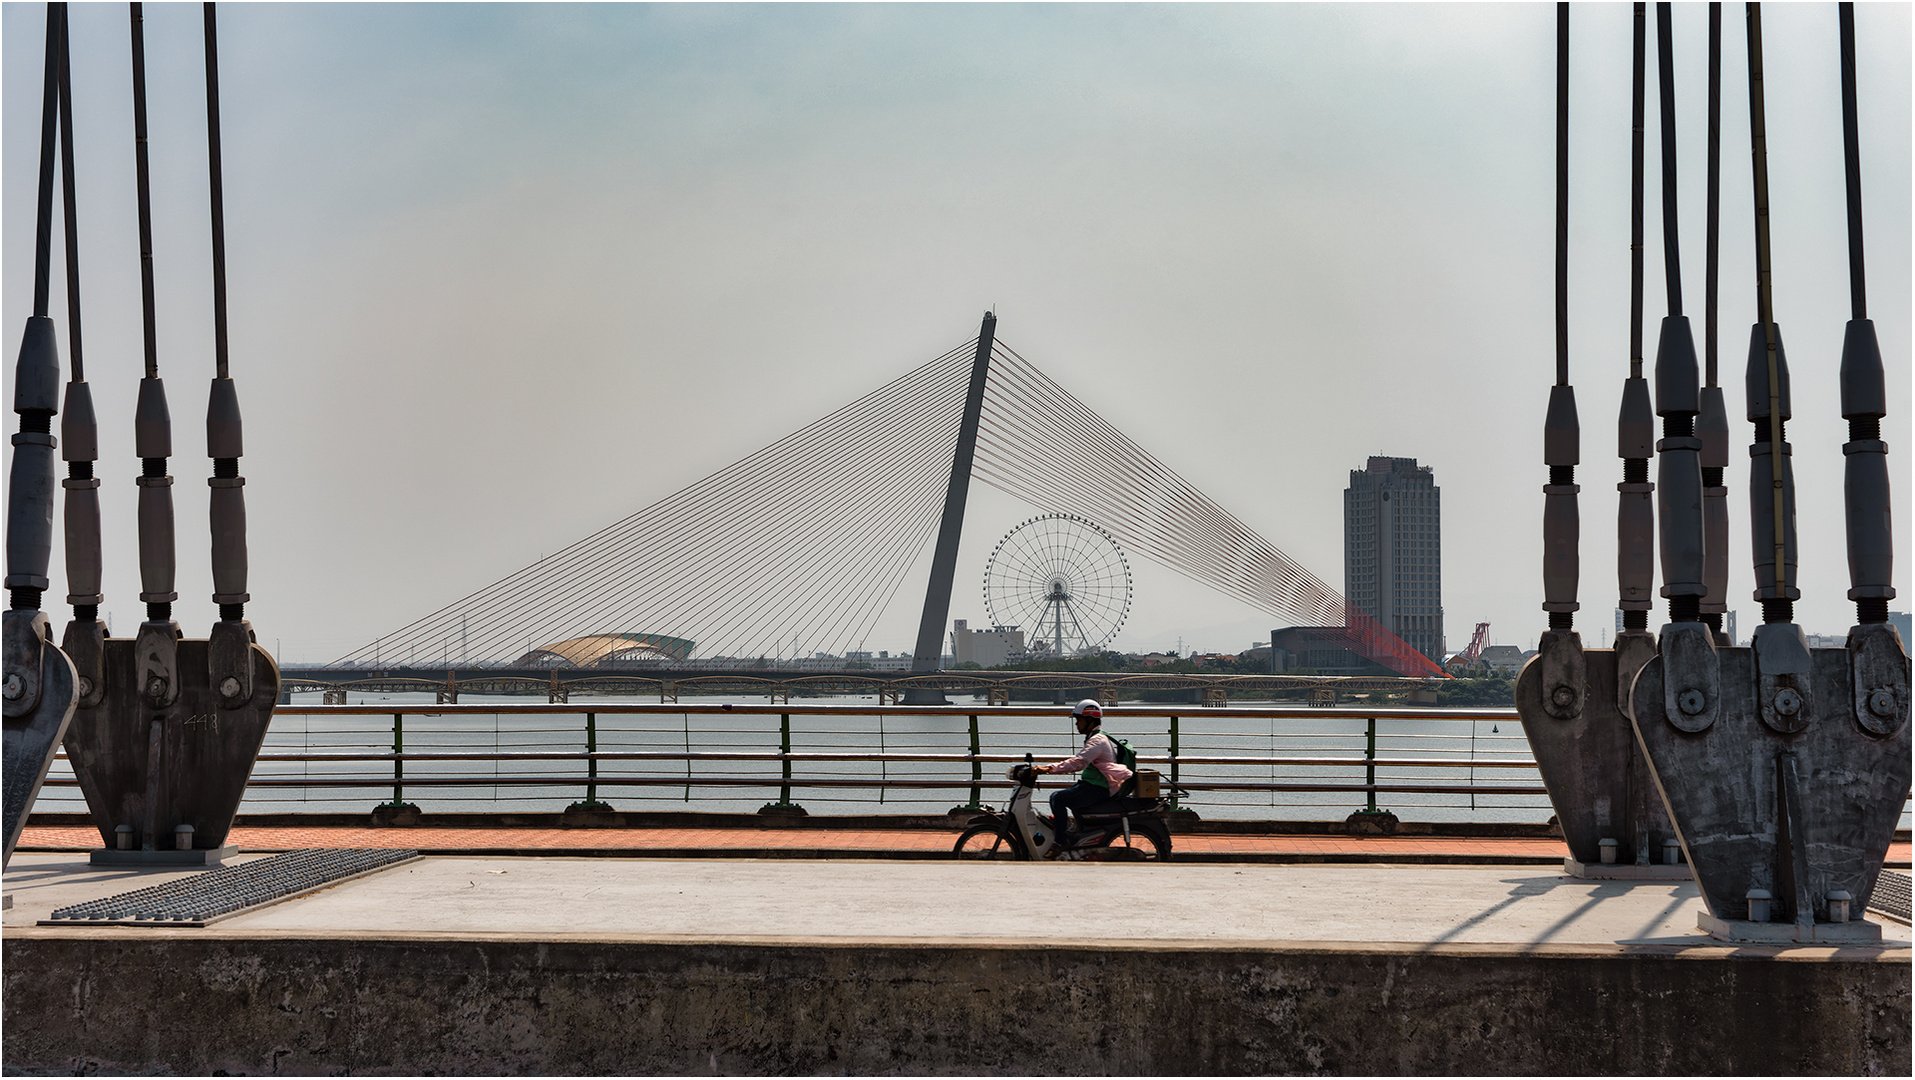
(1891, 895)
(231, 890)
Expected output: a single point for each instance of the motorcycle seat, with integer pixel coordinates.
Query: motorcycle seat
(1120, 807)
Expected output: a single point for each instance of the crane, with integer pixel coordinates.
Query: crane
(1471, 654)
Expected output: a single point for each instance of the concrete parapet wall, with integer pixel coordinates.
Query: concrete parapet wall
(198, 1002)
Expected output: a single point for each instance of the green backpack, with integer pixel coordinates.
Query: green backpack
(1125, 757)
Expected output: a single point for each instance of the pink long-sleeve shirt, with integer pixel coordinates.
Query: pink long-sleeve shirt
(1099, 752)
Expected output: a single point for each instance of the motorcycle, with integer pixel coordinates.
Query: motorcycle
(1122, 829)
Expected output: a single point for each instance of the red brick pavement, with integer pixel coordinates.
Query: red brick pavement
(801, 842)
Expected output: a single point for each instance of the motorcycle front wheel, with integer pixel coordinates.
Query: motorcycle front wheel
(988, 842)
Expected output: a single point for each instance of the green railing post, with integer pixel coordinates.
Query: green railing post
(784, 806)
(591, 803)
(398, 759)
(1369, 767)
(784, 749)
(1173, 763)
(977, 770)
(591, 761)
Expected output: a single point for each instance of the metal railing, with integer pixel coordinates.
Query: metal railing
(1339, 759)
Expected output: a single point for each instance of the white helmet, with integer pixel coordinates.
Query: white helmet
(1088, 707)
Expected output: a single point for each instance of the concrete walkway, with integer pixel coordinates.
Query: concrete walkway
(878, 901)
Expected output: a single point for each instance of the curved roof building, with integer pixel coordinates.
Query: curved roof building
(607, 650)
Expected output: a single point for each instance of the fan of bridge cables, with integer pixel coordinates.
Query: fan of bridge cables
(804, 544)
(1039, 443)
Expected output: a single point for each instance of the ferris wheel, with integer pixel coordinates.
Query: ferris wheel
(1061, 579)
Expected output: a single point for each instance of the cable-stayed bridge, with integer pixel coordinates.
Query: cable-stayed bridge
(789, 542)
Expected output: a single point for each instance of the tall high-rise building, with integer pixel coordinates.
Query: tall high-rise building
(1393, 550)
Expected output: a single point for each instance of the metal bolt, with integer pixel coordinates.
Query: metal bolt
(86, 686)
(1563, 697)
(229, 687)
(155, 687)
(16, 686)
(1787, 702)
(1839, 901)
(1881, 702)
(1692, 702)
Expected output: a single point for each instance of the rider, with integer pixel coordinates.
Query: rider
(1102, 774)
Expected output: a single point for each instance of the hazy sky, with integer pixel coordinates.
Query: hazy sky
(502, 274)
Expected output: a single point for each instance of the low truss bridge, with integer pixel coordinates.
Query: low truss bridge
(996, 686)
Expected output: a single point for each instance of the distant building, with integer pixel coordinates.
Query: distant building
(611, 651)
(1899, 620)
(1324, 650)
(1393, 550)
(995, 647)
(1503, 659)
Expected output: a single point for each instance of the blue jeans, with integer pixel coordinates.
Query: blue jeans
(1076, 797)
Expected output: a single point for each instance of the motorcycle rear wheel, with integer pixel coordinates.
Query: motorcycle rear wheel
(1148, 843)
(988, 842)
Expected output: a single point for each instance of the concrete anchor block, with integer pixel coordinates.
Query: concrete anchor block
(41, 690)
(1588, 756)
(156, 768)
(1776, 814)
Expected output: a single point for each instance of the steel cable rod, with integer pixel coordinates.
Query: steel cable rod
(1635, 199)
(145, 202)
(1666, 95)
(217, 187)
(1780, 609)
(1852, 165)
(1714, 184)
(1562, 194)
(49, 137)
(68, 202)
